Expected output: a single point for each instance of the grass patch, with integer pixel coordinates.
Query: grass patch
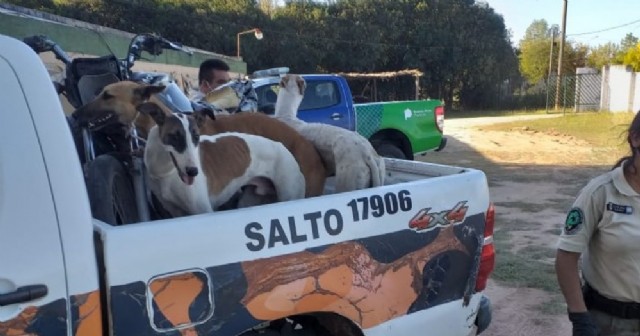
(523, 269)
(524, 206)
(554, 306)
(491, 113)
(601, 130)
(538, 252)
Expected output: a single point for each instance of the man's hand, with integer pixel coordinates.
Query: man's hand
(582, 324)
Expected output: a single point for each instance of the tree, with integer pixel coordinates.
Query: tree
(537, 30)
(462, 46)
(602, 55)
(535, 47)
(632, 57)
(626, 44)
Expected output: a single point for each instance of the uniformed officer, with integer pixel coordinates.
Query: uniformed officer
(603, 226)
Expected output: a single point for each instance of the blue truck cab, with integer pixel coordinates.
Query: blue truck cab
(397, 129)
(327, 99)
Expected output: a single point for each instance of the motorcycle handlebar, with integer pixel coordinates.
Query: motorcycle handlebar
(152, 44)
(41, 43)
(166, 44)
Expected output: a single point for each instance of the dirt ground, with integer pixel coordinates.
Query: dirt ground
(533, 179)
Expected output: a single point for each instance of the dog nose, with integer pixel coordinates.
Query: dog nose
(192, 171)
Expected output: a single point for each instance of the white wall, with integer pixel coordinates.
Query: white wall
(621, 80)
(636, 94)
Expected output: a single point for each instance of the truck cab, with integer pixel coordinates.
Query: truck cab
(398, 129)
(327, 100)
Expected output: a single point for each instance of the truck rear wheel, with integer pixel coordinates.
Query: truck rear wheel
(387, 149)
(110, 191)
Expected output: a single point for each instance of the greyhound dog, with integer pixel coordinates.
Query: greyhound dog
(346, 154)
(213, 168)
(302, 149)
(173, 163)
(116, 104)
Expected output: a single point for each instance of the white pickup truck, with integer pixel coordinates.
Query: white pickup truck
(408, 258)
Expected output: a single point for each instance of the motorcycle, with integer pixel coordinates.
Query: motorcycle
(114, 169)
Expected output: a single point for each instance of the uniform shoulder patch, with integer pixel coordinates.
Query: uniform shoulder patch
(574, 221)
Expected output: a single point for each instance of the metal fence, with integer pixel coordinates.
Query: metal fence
(581, 92)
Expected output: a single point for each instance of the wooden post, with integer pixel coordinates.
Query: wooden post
(561, 51)
(417, 87)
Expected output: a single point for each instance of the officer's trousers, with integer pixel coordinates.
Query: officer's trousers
(614, 326)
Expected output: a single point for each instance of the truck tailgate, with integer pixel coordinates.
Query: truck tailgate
(371, 255)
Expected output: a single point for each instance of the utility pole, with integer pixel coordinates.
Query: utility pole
(554, 30)
(560, 56)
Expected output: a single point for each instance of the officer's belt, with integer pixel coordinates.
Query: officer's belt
(595, 300)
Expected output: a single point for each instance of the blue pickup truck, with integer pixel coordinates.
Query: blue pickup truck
(399, 129)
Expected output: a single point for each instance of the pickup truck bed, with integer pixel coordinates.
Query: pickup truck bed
(393, 260)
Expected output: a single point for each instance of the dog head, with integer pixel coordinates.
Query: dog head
(293, 83)
(116, 103)
(179, 135)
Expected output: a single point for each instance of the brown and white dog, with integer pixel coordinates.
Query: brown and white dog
(187, 170)
(303, 150)
(347, 155)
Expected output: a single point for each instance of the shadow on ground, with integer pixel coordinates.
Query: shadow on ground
(531, 202)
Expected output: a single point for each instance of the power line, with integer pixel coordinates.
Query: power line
(605, 29)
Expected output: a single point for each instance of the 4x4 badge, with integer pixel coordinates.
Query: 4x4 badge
(425, 220)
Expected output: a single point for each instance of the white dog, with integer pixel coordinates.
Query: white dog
(346, 154)
(192, 174)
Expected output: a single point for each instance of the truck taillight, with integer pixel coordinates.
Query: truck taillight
(488, 256)
(439, 113)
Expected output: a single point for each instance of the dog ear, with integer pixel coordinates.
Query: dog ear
(302, 85)
(202, 114)
(200, 117)
(146, 91)
(154, 111)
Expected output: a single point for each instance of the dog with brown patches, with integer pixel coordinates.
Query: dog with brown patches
(346, 154)
(172, 161)
(187, 169)
(303, 151)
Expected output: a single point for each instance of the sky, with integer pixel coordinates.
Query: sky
(583, 16)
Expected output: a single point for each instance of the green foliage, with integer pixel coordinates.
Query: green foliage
(628, 42)
(537, 30)
(632, 58)
(534, 59)
(462, 46)
(602, 55)
(535, 50)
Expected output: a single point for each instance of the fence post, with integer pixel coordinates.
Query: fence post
(604, 89)
(632, 91)
(564, 95)
(547, 99)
